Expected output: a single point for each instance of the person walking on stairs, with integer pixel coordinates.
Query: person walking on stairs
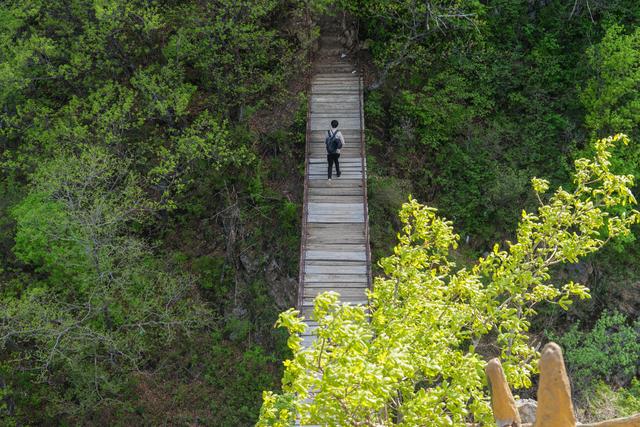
(334, 142)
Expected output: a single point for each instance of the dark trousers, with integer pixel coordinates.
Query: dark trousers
(331, 159)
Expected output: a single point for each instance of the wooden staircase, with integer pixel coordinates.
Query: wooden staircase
(335, 254)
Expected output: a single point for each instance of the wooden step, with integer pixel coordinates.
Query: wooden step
(358, 292)
(307, 302)
(312, 255)
(335, 269)
(319, 279)
(335, 243)
(339, 183)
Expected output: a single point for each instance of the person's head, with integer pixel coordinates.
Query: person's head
(334, 123)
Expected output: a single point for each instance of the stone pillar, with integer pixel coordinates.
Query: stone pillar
(502, 402)
(555, 408)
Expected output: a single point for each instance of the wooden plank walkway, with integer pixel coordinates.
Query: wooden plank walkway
(335, 254)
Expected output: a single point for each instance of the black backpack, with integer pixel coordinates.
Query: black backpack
(332, 142)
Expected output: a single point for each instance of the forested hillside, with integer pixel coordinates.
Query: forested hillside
(152, 163)
(468, 101)
(151, 155)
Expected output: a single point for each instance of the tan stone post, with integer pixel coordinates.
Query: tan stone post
(555, 408)
(502, 402)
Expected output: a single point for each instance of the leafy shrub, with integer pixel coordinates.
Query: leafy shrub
(386, 196)
(606, 403)
(608, 352)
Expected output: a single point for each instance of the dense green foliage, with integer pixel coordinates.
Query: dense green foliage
(603, 366)
(151, 159)
(145, 191)
(410, 357)
(608, 352)
(469, 99)
(605, 402)
(479, 104)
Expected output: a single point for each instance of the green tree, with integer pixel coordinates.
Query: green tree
(103, 305)
(611, 97)
(403, 33)
(410, 357)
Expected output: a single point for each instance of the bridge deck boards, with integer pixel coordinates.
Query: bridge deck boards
(335, 241)
(335, 247)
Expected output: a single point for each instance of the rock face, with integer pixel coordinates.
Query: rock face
(527, 409)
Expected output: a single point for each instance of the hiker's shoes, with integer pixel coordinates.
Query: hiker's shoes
(338, 174)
